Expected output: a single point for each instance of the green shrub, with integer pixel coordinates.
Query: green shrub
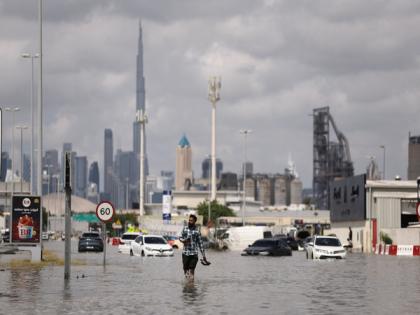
(385, 238)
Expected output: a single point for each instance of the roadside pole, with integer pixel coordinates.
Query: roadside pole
(67, 187)
(104, 237)
(105, 213)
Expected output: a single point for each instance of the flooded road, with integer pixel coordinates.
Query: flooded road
(233, 284)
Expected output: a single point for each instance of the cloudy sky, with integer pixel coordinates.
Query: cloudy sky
(278, 61)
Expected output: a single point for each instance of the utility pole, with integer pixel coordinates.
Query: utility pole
(67, 188)
(245, 132)
(21, 128)
(39, 152)
(214, 95)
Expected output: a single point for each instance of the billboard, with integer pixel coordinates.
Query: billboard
(26, 219)
(348, 199)
(166, 205)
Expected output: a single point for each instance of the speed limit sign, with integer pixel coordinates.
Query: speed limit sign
(105, 211)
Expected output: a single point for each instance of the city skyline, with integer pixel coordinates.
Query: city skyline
(274, 73)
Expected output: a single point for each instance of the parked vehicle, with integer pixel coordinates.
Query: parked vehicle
(291, 242)
(268, 247)
(91, 241)
(45, 236)
(174, 241)
(150, 245)
(125, 242)
(321, 247)
(236, 238)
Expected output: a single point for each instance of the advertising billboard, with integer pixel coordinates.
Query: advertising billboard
(26, 219)
(348, 199)
(166, 205)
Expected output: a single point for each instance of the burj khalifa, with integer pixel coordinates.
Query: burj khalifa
(140, 105)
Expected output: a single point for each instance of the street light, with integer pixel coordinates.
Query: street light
(13, 111)
(21, 128)
(245, 132)
(32, 57)
(383, 171)
(214, 96)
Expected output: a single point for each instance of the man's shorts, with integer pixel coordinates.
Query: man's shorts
(189, 262)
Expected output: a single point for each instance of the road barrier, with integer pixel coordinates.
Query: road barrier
(397, 250)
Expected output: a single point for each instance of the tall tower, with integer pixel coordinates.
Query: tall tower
(140, 105)
(183, 176)
(413, 157)
(108, 163)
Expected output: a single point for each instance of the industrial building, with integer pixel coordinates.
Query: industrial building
(331, 159)
(374, 207)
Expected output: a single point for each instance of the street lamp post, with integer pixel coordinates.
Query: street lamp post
(383, 170)
(214, 96)
(13, 111)
(245, 132)
(142, 120)
(32, 57)
(21, 128)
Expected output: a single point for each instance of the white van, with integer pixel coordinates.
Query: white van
(238, 238)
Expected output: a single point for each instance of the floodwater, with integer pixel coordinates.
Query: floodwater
(232, 284)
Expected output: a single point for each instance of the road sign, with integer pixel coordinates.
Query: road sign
(105, 211)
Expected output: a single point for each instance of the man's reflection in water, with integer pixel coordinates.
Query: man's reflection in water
(193, 292)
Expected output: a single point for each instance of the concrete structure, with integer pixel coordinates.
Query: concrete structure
(250, 189)
(264, 190)
(280, 192)
(296, 187)
(229, 181)
(183, 173)
(413, 157)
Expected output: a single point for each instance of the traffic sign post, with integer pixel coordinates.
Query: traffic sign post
(418, 199)
(105, 213)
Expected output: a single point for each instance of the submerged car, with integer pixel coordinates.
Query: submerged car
(125, 242)
(322, 247)
(269, 247)
(151, 245)
(291, 242)
(91, 241)
(173, 241)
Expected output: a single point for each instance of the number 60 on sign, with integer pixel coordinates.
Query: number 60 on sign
(105, 211)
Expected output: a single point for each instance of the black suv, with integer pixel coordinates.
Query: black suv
(268, 246)
(91, 241)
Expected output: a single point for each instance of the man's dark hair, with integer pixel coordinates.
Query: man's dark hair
(194, 217)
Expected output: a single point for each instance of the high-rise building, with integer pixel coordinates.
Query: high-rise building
(206, 168)
(81, 165)
(125, 172)
(94, 174)
(140, 105)
(50, 160)
(5, 164)
(413, 157)
(183, 174)
(108, 163)
(26, 168)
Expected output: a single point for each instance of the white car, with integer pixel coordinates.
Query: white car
(125, 242)
(151, 245)
(322, 247)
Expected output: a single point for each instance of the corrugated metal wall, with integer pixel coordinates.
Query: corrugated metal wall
(388, 213)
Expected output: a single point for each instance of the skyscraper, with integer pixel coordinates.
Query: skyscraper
(108, 163)
(140, 105)
(81, 165)
(206, 168)
(183, 174)
(94, 174)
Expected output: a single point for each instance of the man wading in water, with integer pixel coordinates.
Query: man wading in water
(191, 237)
